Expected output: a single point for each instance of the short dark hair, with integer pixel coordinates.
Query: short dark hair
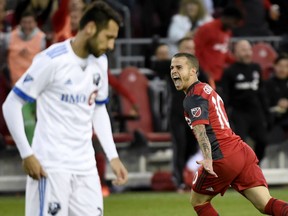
(100, 13)
(282, 56)
(192, 60)
(28, 13)
(232, 12)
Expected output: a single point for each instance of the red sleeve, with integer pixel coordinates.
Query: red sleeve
(120, 89)
(201, 39)
(59, 17)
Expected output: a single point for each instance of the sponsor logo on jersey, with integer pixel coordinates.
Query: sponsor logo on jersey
(54, 208)
(248, 85)
(28, 78)
(207, 89)
(240, 77)
(196, 112)
(74, 99)
(96, 79)
(222, 47)
(256, 74)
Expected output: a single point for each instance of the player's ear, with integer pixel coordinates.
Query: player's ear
(193, 71)
(91, 28)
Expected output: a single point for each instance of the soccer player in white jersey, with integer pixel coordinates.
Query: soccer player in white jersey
(69, 82)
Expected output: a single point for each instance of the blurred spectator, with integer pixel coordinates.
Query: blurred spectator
(5, 26)
(191, 15)
(156, 16)
(66, 19)
(212, 40)
(209, 6)
(245, 96)
(277, 92)
(280, 26)
(22, 44)
(162, 52)
(255, 22)
(43, 9)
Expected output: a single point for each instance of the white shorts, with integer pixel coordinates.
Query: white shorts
(64, 194)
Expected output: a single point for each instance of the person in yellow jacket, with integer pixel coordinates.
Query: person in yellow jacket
(22, 44)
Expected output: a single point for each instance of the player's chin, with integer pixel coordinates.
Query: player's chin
(98, 53)
(178, 88)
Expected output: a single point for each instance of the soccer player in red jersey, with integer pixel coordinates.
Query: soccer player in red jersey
(228, 160)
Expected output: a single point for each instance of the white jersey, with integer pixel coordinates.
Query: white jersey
(66, 88)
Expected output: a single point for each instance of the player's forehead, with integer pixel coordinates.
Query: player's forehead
(178, 61)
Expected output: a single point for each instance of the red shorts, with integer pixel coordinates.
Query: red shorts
(239, 170)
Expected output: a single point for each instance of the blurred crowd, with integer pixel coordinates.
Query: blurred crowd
(255, 93)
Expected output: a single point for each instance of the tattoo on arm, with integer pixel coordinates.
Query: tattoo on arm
(201, 136)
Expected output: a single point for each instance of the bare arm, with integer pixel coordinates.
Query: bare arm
(205, 146)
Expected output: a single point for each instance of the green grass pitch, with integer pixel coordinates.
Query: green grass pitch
(155, 204)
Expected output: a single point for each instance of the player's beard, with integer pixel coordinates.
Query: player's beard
(93, 48)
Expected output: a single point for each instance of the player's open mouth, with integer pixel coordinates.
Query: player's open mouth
(176, 80)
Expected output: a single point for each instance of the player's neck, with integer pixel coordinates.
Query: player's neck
(190, 86)
(79, 47)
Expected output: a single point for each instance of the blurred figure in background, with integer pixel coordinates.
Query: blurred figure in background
(191, 15)
(212, 41)
(43, 10)
(5, 26)
(256, 24)
(162, 52)
(22, 44)
(245, 95)
(277, 92)
(65, 21)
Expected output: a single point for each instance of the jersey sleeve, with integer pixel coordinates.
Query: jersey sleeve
(35, 79)
(197, 109)
(103, 91)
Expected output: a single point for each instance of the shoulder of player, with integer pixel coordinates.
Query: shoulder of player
(56, 50)
(203, 89)
(200, 91)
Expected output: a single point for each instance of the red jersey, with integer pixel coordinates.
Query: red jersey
(211, 48)
(202, 105)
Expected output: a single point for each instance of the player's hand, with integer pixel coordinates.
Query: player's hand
(120, 172)
(208, 166)
(33, 168)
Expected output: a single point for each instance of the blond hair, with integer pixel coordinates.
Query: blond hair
(201, 9)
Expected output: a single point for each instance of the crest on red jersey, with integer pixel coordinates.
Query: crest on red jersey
(207, 89)
(196, 112)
